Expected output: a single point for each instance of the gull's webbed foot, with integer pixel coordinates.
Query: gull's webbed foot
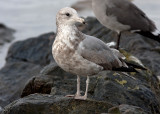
(81, 97)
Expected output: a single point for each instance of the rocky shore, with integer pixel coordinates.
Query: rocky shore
(32, 83)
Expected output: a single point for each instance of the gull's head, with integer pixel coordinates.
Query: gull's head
(68, 16)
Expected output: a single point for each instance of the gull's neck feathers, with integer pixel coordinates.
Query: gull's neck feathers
(70, 35)
(65, 28)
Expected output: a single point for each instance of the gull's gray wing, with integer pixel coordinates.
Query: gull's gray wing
(129, 14)
(98, 52)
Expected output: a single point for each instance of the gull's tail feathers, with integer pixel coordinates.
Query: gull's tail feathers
(125, 69)
(152, 35)
(131, 68)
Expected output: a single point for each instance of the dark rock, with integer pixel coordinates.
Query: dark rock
(120, 89)
(6, 34)
(39, 84)
(34, 50)
(13, 77)
(126, 109)
(51, 76)
(24, 60)
(115, 88)
(47, 104)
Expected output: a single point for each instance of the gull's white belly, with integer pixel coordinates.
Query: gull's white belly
(70, 61)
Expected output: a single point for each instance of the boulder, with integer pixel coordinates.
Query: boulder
(6, 34)
(48, 104)
(24, 60)
(13, 77)
(113, 87)
(33, 50)
(50, 75)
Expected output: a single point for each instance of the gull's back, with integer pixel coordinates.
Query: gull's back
(121, 15)
(98, 52)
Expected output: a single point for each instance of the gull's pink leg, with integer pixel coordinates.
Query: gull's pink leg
(78, 95)
(87, 84)
(78, 89)
(85, 96)
(78, 86)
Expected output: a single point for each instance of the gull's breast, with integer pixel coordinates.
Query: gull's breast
(69, 60)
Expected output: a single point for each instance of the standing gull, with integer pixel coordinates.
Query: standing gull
(123, 15)
(82, 54)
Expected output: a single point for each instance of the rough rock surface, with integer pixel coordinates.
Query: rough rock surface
(6, 34)
(34, 50)
(26, 58)
(47, 104)
(115, 88)
(126, 109)
(13, 78)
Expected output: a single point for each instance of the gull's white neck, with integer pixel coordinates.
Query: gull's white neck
(66, 29)
(69, 35)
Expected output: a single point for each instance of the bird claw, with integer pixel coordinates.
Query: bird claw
(77, 97)
(81, 97)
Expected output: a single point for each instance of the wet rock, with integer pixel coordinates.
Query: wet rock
(39, 84)
(24, 60)
(13, 77)
(126, 109)
(48, 104)
(6, 34)
(50, 76)
(120, 89)
(33, 50)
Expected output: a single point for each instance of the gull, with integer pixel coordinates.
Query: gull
(123, 15)
(81, 54)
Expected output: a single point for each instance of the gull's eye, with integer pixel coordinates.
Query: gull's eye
(68, 15)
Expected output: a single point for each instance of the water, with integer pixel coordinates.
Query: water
(34, 17)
